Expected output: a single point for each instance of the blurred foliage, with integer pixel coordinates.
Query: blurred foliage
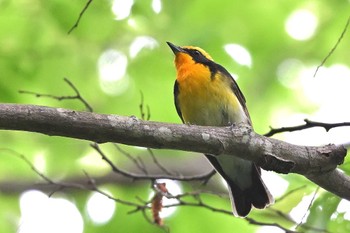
(36, 53)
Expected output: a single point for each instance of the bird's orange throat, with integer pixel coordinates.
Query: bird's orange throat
(187, 68)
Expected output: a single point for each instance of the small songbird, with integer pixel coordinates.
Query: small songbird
(206, 94)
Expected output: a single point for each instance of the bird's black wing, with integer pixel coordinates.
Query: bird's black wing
(176, 93)
(235, 88)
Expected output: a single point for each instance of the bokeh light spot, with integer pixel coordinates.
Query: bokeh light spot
(91, 161)
(301, 24)
(122, 8)
(298, 212)
(140, 43)
(112, 66)
(40, 162)
(333, 80)
(42, 214)
(156, 6)
(288, 71)
(239, 54)
(344, 207)
(275, 184)
(100, 208)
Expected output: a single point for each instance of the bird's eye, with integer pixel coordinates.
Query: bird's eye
(197, 53)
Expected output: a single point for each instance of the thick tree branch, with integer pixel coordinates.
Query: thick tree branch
(316, 163)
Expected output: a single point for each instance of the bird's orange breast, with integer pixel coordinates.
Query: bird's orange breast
(205, 99)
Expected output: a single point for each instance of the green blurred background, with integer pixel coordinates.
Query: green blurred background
(118, 51)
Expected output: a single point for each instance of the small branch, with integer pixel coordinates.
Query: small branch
(334, 47)
(147, 116)
(138, 162)
(60, 98)
(289, 193)
(78, 95)
(156, 162)
(80, 16)
(254, 222)
(308, 208)
(308, 124)
(91, 184)
(144, 115)
(161, 192)
(22, 157)
(135, 176)
(201, 204)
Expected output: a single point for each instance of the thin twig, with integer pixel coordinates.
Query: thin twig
(148, 113)
(141, 106)
(281, 214)
(144, 116)
(201, 204)
(254, 222)
(311, 228)
(135, 176)
(128, 203)
(141, 162)
(59, 98)
(197, 193)
(290, 192)
(308, 208)
(138, 162)
(61, 185)
(78, 95)
(91, 185)
(80, 16)
(334, 47)
(308, 124)
(156, 162)
(21, 156)
(289, 219)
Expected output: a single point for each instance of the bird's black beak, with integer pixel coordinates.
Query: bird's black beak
(176, 49)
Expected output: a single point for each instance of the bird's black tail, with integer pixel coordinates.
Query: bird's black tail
(256, 195)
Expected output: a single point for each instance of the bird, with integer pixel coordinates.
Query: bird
(206, 94)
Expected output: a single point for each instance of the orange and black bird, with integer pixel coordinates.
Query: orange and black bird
(206, 94)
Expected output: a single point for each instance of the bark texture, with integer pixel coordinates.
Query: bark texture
(319, 164)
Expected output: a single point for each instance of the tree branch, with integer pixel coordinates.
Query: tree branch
(308, 124)
(77, 95)
(334, 47)
(134, 176)
(79, 17)
(90, 183)
(316, 163)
